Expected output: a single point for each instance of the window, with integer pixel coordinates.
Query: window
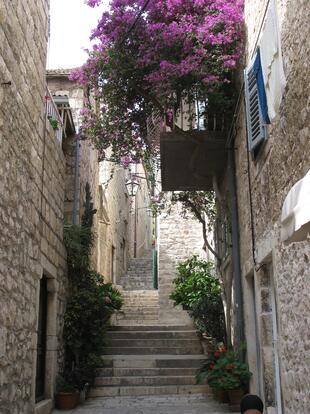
(256, 104)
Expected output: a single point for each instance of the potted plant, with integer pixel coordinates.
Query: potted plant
(207, 367)
(224, 371)
(67, 395)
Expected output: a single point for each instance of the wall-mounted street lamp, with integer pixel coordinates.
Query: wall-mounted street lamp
(132, 186)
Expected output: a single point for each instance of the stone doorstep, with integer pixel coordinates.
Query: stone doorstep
(145, 380)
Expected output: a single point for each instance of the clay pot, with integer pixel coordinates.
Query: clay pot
(67, 400)
(220, 395)
(235, 398)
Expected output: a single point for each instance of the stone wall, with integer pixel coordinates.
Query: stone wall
(114, 221)
(178, 239)
(282, 161)
(31, 209)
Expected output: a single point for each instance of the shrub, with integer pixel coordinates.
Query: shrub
(90, 306)
(199, 291)
(224, 370)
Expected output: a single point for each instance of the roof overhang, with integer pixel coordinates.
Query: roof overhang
(190, 160)
(295, 218)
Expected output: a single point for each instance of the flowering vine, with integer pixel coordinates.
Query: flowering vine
(176, 48)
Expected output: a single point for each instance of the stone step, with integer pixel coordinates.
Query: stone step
(147, 372)
(153, 361)
(152, 328)
(145, 380)
(123, 350)
(139, 308)
(130, 316)
(154, 342)
(151, 334)
(133, 322)
(110, 391)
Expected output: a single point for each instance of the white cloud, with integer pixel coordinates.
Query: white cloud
(71, 24)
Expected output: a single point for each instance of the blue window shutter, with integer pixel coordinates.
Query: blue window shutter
(256, 104)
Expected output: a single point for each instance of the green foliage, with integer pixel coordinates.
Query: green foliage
(90, 306)
(53, 122)
(65, 384)
(78, 241)
(199, 291)
(224, 370)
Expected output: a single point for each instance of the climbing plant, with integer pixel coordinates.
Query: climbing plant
(91, 304)
(151, 55)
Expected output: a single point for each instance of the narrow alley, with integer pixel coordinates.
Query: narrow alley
(154, 206)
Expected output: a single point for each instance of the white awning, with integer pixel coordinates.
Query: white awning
(295, 219)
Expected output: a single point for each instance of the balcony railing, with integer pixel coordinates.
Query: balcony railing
(53, 116)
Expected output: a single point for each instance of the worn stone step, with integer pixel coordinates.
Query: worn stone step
(194, 349)
(149, 390)
(153, 361)
(154, 342)
(126, 372)
(137, 316)
(128, 334)
(145, 380)
(152, 328)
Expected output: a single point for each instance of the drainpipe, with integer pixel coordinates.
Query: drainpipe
(232, 185)
(76, 182)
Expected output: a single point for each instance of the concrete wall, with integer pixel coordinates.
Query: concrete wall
(278, 278)
(32, 190)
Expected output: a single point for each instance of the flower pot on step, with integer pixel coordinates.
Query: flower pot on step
(220, 395)
(235, 398)
(67, 400)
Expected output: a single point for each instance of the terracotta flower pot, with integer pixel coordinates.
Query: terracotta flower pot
(66, 400)
(235, 398)
(220, 395)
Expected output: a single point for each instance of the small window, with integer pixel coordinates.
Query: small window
(256, 104)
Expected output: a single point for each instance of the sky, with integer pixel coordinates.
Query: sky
(70, 29)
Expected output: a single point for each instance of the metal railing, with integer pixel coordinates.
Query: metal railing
(53, 116)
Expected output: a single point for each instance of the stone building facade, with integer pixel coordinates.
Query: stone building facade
(38, 185)
(274, 272)
(32, 258)
(121, 221)
(178, 239)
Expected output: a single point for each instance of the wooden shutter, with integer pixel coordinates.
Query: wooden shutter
(255, 124)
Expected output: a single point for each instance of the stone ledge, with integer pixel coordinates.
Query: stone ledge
(44, 407)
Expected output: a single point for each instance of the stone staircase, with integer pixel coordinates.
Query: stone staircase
(140, 308)
(144, 355)
(139, 275)
(150, 360)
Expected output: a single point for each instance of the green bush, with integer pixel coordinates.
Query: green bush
(199, 292)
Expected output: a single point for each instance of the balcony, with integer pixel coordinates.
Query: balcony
(191, 158)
